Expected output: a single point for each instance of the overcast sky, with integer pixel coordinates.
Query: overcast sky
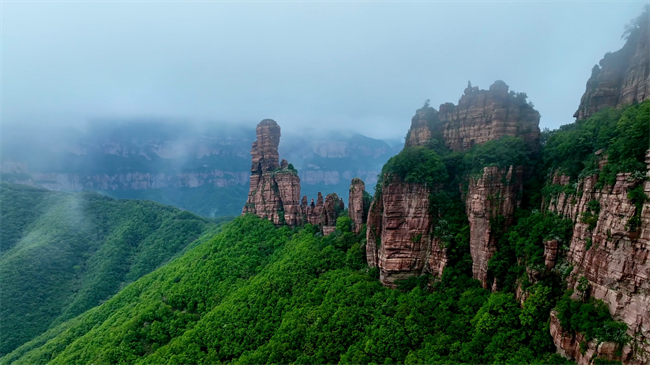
(360, 66)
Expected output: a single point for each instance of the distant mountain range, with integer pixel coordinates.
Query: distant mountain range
(204, 169)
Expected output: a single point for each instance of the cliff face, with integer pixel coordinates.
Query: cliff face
(480, 116)
(331, 210)
(356, 204)
(496, 193)
(622, 77)
(568, 345)
(612, 255)
(274, 190)
(399, 239)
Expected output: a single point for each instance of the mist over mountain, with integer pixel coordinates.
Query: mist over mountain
(203, 168)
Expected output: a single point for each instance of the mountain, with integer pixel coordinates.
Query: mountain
(487, 241)
(256, 294)
(64, 253)
(200, 168)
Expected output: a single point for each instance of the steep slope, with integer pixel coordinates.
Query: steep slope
(260, 294)
(623, 77)
(65, 253)
(603, 187)
(485, 144)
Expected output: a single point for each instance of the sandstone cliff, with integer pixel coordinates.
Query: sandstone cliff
(357, 208)
(399, 236)
(568, 345)
(622, 77)
(480, 116)
(496, 193)
(611, 253)
(274, 189)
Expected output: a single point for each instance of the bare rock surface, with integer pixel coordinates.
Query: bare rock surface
(496, 193)
(480, 116)
(612, 255)
(621, 78)
(356, 205)
(399, 239)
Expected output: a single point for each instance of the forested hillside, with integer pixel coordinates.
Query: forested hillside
(63, 253)
(257, 294)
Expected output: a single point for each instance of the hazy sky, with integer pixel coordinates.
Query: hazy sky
(362, 66)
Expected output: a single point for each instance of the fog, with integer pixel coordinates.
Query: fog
(353, 67)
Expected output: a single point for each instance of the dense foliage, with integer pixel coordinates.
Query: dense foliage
(418, 165)
(63, 253)
(523, 246)
(623, 135)
(257, 294)
(592, 318)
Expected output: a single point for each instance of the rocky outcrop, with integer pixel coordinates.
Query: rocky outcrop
(621, 78)
(274, 190)
(568, 345)
(550, 253)
(331, 210)
(480, 116)
(497, 193)
(313, 212)
(612, 254)
(356, 204)
(275, 187)
(399, 235)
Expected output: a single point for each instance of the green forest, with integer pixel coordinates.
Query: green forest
(249, 292)
(65, 253)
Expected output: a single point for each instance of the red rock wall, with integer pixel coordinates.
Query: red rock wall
(622, 78)
(480, 116)
(356, 208)
(401, 225)
(617, 264)
(568, 345)
(497, 192)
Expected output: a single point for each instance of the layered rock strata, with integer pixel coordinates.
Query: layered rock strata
(497, 193)
(613, 255)
(568, 345)
(621, 78)
(356, 204)
(331, 210)
(274, 190)
(399, 236)
(275, 187)
(480, 116)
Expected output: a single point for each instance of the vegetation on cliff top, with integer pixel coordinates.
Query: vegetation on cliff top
(622, 136)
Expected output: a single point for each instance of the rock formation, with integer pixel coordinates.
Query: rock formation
(275, 188)
(568, 345)
(399, 239)
(612, 255)
(497, 193)
(623, 77)
(274, 191)
(331, 210)
(480, 116)
(356, 204)
(312, 213)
